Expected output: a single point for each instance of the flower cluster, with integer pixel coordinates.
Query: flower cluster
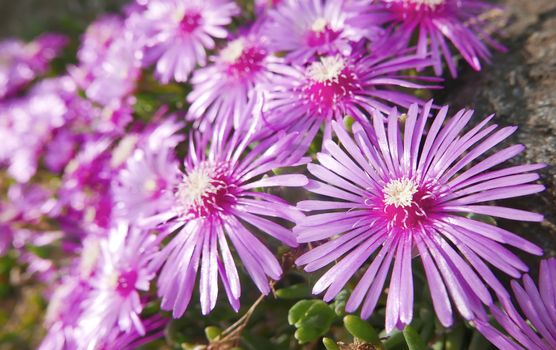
(171, 153)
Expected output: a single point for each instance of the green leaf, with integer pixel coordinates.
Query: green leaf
(305, 335)
(312, 318)
(340, 302)
(330, 344)
(212, 333)
(298, 310)
(362, 329)
(297, 291)
(413, 339)
(318, 316)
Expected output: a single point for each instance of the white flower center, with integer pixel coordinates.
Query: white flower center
(150, 185)
(328, 68)
(400, 192)
(195, 186)
(233, 51)
(319, 25)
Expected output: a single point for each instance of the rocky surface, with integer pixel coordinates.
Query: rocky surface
(520, 87)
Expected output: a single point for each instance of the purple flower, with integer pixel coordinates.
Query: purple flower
(63, 313)
(306, 28)
(20, 62)
(303, 98)
(537, 331)
(224, 89)
(214, 199)
(154, 329)
(263, 6)
(26, 125)
(142, 187)
(6, 237)
(85, 198)
(393, 193)
(27, 204)
(115, 77)
(97, 40)
(178, 33)
(438, 22)
(122, 272)
(60, 150)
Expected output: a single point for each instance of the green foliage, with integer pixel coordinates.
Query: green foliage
(413, 339)
(297, 291)
(330, 344)
(212, 333)
(312, 318)
(340, 302)
(362, 330)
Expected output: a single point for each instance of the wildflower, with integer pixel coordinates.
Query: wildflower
(63, 313)
(154, 329)
(142, 188)
(178, 33)
(537, 331)
(26, 125)
(122, 272)
(213, 201)
(304, 29)
(223, 89)
(85, 198)
(115, 78)
(438, 22)
(302, 99)
(392, 194)
(22, 62)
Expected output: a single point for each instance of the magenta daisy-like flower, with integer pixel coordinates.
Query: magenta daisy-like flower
(537, 331)
(64, 310)
(179, 33)
(154, 329)
(219, 193)
(22, 62)
(122, 272)
(305, 28)
(116, 76)
(224, 89)
(437, 22)
(142, 187)
(303, 98)
(393, 193)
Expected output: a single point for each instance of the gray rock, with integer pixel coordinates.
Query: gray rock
(520, 87)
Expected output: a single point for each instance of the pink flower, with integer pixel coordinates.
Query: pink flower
(122, 272)
(213, 201)
(302, 98)
(22, 62)
(306, 28)
(142, 188)
(395, 191)
(437, 22)
(178, 33)
(223, 90)
(535, 331)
